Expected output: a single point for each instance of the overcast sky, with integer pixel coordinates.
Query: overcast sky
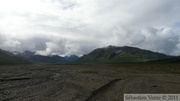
(66, 27)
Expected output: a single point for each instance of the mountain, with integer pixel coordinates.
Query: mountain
(113, 54)
(7, 58)
(39, 59)
(27, 54)
(47, 59)
(71, 58)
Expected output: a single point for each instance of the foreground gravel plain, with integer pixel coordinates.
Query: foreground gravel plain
(86, 82)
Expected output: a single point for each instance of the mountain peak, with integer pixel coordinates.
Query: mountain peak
(110, 46)
(28, 53)
(117, 47)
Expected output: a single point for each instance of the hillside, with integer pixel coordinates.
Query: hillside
(169, 60)
(113, 54)
(7, 58)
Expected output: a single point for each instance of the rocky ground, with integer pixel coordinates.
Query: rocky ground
(85, 82)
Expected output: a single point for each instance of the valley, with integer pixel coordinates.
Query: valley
(105, 82)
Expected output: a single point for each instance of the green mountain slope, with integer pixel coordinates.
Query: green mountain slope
(7, 58)
(113, 54)
(38, 59)
(169, 60)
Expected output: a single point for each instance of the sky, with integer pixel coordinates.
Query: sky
(76, 27)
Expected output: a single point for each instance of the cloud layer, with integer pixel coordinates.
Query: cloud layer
(65, 27)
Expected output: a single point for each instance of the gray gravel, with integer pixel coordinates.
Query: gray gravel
(83, 82)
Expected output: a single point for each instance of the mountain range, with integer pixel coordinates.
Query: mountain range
(8, 58)
(52, 59)
(105, 55)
